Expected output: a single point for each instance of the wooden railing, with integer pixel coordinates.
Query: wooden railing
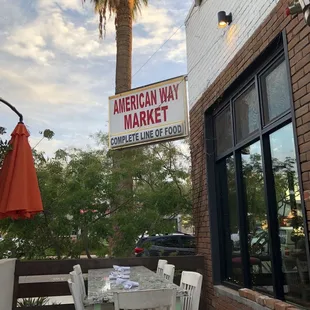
(63, 267)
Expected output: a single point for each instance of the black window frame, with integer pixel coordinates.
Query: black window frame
(275, 53)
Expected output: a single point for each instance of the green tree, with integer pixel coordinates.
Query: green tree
(80, 191)
(4, 146)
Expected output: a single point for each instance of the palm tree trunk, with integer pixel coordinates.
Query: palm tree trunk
(123, 46)
(123, 25)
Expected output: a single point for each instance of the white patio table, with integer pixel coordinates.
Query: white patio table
(101, 288)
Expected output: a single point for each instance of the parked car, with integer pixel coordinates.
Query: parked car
(166, 245)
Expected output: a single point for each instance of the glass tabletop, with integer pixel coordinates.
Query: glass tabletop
(101, 288)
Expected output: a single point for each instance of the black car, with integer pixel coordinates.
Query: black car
(166, 245)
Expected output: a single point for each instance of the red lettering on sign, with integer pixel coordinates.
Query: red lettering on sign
(127, 121)
(176, 90)
(164, 109)
(141, 102)
(127, 104)
(142, 118)
(163, 94)
(157, 115)
(135, 121)
(146, 118)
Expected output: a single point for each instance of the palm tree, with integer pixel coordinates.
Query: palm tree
(124, 11)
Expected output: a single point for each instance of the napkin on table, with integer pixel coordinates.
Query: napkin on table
(123, 269)
(129, 284)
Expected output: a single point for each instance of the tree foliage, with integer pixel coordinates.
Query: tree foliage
(79, 189)
(106, 8)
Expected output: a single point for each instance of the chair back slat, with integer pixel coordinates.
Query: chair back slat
(191, 282)
(160, 266)
(78, 270)
(75, 292)
(169, 272)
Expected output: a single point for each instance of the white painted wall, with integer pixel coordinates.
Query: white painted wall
(209, 48)
(7, 269)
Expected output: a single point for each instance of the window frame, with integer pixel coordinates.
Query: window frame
(274, 54)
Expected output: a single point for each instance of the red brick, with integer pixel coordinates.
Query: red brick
(301, 111)
(298, 122)
(296, 58)
(298, 75)
(304, 32)
(303, 157)
(281, 305)
(243, 292)
(304, 81)
(306, 185)
(270, 303)
(303, 128)
(305, 166)
(300, 93)
(305, 118)
(303, 62)
(305, 99)
(300, 140)
(305, 176)
(292, 43)
(261, 300)
(307, 68)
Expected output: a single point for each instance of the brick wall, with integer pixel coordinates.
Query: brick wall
(298, 37)
(209, 49)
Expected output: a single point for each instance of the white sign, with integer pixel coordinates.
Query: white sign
(153, 113)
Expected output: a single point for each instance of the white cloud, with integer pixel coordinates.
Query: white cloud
(59, 74)
(159, 26)
(52, 32)
(178, 54)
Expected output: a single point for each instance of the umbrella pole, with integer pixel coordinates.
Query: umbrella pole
(13, 109)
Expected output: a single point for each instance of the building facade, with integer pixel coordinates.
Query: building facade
(249, 94)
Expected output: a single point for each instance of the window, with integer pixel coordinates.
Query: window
(223, 131)
(169, 242)
(188, 242)
(276, 92)
(259, 215)
(230, 224)
(247, 114)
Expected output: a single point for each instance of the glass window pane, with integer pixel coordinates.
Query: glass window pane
(258, 238)
(223, 131)
(276, 94)
(231, 244)
(290, 216)
(247, 113)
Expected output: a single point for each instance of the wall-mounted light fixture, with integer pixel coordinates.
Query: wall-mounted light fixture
(223, 19)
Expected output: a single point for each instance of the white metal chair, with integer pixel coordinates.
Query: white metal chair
(77, 298)
(78, 270)
(160, 266)
(75, 279)
(169, 272)
(150, 299)
(191, 282)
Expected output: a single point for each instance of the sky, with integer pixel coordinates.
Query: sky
(57, 72)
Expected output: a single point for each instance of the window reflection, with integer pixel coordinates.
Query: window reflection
(276, 94)
(290, 216)
(233, 268)
(258, 238)
(223, 131)
(247, 113)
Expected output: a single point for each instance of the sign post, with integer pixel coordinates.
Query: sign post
(154, 113)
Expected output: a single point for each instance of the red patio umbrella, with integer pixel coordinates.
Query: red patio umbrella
(20, 196)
